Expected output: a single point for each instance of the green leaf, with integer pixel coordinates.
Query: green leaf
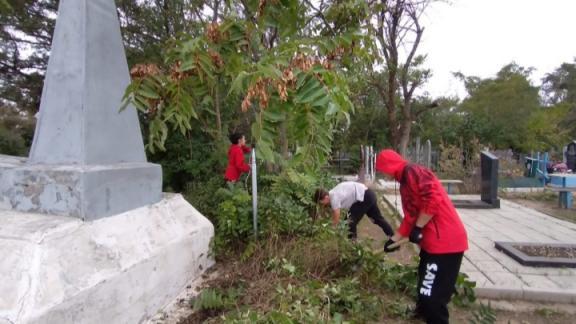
(147, 92)
(309, 91)
(269, 71)
(321, 102)
(273, 116)
(265, 152)
(237, 84)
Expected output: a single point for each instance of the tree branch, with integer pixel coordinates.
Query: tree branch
(320, 15)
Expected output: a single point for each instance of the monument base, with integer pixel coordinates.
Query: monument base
(119, 269)
(475, 204)
(88, 192)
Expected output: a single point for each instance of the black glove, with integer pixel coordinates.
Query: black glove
(387, 248)
(253, 145)
(416, 235)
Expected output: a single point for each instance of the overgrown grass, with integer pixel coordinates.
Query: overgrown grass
(316, 279)
(300, 270)
(300, 279)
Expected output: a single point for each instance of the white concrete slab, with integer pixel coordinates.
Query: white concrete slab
(119, 269)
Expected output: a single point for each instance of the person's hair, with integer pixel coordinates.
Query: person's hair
(235, 137)
(319, 195)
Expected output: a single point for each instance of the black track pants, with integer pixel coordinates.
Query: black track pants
(367, 207)
(437, 274)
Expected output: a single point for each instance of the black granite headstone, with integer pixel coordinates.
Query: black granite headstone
(489, 175)
(488, 185)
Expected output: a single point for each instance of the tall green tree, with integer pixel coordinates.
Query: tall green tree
(288, 82)
(443, 124)
(559, 90)
(148, 25)
(559, 86)
(26, 35)
(25, 38)
(16, 131)
(505, 111)
(397, 29)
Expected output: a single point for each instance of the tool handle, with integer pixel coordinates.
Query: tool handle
(400, 242)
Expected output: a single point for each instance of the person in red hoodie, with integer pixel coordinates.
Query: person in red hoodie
(431, 221)
(236, 163)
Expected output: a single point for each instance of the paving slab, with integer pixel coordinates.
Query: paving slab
(497, 275)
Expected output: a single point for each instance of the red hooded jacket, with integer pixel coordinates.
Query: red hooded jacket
(236, 164)
(421, 192)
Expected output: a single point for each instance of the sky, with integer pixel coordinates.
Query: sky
(479, 37)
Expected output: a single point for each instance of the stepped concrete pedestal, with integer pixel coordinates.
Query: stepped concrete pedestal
(118, 269)
(85, 233)
(85, 191)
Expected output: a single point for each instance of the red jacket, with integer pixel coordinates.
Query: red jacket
(236, 164)
(421, 192)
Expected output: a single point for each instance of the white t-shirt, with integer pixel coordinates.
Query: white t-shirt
(346, 193)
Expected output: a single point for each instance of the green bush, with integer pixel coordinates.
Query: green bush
(284, 207)
(12, 143)
(233, 218)
(464, 295)
(281, 215)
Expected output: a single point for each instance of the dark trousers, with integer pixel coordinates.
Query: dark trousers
(367, 207)
(437, 274)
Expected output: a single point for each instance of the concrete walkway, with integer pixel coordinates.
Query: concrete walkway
(496, 274)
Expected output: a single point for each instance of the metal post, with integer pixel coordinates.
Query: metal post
(254, 193)
(370, 163)
(373, 163)
(367, 160)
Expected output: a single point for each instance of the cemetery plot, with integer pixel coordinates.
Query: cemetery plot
(540, 254)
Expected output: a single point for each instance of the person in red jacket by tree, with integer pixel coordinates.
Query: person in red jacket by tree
(236, 163)
(431, 221)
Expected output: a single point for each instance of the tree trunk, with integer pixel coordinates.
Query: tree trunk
(406, 128)
(390, 101)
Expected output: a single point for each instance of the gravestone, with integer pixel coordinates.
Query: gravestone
(488, 185)
(489, 179)
(86, 235)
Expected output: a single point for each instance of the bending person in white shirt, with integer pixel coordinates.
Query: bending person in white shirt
(358, 199)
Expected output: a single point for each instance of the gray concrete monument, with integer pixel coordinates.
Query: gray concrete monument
(85, 233)
(87, 159)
